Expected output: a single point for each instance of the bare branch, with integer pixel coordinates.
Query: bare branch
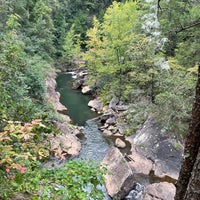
(183, 28)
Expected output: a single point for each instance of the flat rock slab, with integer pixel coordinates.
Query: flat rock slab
(160, 191)
(119, 180)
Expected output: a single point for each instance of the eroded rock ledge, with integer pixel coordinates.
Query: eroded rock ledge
(66, 142)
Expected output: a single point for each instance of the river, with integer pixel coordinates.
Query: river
(94, 145)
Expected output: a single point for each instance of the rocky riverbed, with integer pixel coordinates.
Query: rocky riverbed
(147, 170)
(153, 161)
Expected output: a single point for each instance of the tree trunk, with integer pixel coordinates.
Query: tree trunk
(188, 181)
(193, 191)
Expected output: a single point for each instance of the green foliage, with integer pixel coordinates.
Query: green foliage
(180, 24)
(23, 147)
(76, 180)
(71, 46)
(108, 43)
(22, 83)
(175, 99)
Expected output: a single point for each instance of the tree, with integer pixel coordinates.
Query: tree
(107, 46)
(175, 94)
(180, 21)
(188, 185)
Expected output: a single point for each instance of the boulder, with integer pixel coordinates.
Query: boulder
(82, 74)
(65, 118)
(119, 143)
(156, 144)
(119, 180)
(111, 121)
(96, 104)
(162, 170)
(160, 191)
(107, 133)
(77, 84)
(86, 90)
(66, 144)
(114, 101)
(66, 141)
(106, 115)
(121, 108)
(60, 108)
(139, 164)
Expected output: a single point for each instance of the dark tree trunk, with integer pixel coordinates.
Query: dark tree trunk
(188, 181)
(193, 191)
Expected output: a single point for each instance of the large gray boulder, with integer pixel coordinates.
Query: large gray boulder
(119, 180)
(120, 143)
(157, 145)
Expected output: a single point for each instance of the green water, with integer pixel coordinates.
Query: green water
(74, 100)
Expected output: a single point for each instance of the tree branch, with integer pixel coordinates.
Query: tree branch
(182, 28)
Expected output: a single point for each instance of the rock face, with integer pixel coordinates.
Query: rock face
(160, 191)
(96, 104)
(106, 115)
(113, 103)
(119, 180)
(53, 97)
(65, 143)
(154, 143)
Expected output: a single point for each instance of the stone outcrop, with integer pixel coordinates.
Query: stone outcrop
(64, 143)
(53, 97)
(160, 191)
(113, 103)
(67, 142)
(119, 180)
(156, 144)
(96, 105)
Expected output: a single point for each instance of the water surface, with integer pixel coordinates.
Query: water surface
(74, 100)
